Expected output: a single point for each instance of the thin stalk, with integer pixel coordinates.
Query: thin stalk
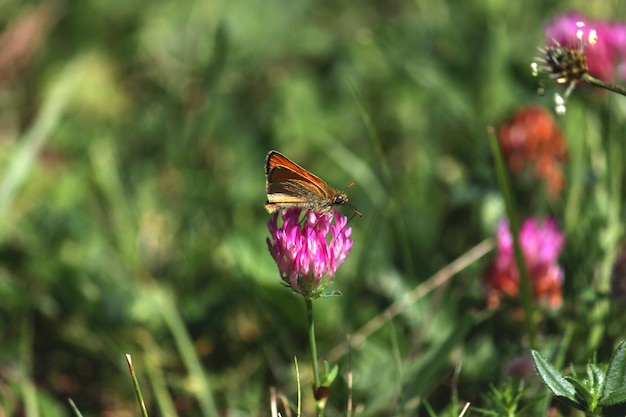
(133, 375)
(320, 401)
(505, 187)
(174, 322)
(29, 393)
(607, 86)
(309, 317)
(295, 360)
(77, 412)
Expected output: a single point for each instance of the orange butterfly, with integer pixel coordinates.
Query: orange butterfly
(289, 185)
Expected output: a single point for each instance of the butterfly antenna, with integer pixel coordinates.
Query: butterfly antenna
(349, 220)
(356, 212)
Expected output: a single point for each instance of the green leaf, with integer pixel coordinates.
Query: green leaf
(615, 378)
(584, 395)
(615, 397)
(597, 379)
(556, 382)
(591, 389)
(329, 376)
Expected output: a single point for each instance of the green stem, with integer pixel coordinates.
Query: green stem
(133, 376)
(309, 317)
(607, 86)
(174, 322)
(29, 393)
(320, 398)
(505, 187)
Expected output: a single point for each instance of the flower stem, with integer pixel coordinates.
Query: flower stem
(505, 187)
(309, 317)
(607, 86)
(320, 401)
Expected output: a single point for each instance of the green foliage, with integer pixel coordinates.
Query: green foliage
(599, 393)
(505, 402)
(132, 141)
(328, 374)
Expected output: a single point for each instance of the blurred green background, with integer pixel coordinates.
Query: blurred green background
(133, 136)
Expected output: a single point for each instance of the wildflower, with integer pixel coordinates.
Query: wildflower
(521, 368)
(22, 39)
(598, 40)
(309, 252)
(565, 64)
(541, 242)
(532, 137)
(582, 50)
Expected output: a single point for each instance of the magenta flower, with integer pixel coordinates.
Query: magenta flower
(541, 242)
(603, 43)
(308, 252)
(582, 50)
(570, 29)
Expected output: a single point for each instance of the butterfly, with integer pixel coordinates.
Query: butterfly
(288, 185)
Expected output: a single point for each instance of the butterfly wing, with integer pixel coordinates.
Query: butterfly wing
(290, 185)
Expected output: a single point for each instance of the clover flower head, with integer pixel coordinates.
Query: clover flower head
(521, 368)
(309, 251)
(541, 242)
(532, 138)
